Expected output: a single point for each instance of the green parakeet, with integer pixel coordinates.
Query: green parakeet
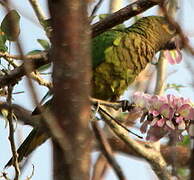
(118, 56)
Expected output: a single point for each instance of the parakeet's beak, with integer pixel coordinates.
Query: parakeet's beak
(173, 44)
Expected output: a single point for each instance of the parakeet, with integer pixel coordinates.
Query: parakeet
(118, 56)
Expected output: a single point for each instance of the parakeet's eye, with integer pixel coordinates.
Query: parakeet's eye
(169, 28)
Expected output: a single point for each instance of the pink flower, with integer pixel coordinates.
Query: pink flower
(161, 122)
(167, 111)
(184, 110)
(168, 114)
(173, 56)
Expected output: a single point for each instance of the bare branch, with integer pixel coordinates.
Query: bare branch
(71, 105)
(42, 55)
(182, 153)
(15, 75)
(122, 15)
(99, 168)
(11, 134)
(40, 15)
(36, 76)
(96, 7)
(106, 150)
(22, 114)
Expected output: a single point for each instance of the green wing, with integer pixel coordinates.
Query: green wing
(101, 43)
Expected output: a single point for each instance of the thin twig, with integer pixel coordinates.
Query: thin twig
(114, 105)
(30, 177)
(123, 14)
(41, 55)
(99, 168)
(4, 175)
(40, 15)
(106, 150)
(36, 76)
(11, 134)
(22, 115)
(13, 76)
(120, 124)
(97, 6)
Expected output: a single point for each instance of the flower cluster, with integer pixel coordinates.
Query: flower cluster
(163, 115)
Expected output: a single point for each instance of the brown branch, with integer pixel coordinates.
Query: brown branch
(22, 114)
(99, 168)
(34, 75)
(106, 150)
(43, 82)
(161, 75)
(122, 15)
(182, 153)
(71, 105)
(12, 77)
(96, 7)
(39, 14)
(119, 123)
(41, 55)
(11, 134)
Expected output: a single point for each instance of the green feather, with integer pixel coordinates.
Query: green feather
(119, 56)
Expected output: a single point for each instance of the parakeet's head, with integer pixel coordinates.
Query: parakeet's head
(156, 30)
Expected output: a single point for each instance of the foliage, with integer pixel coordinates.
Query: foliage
(10, 25)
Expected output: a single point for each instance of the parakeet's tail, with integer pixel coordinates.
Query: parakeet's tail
(34, 139)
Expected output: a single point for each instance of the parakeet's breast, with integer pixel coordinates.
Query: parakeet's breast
(119, 57)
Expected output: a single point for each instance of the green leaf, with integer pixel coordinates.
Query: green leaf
(176, 87)
(44, 43)
(103, 16)
(185, 141)
(3, 47)
(183, 172)
(10, 25)
(44, 67)
(33, 52)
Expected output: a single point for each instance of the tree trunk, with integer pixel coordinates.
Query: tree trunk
(71, 80)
